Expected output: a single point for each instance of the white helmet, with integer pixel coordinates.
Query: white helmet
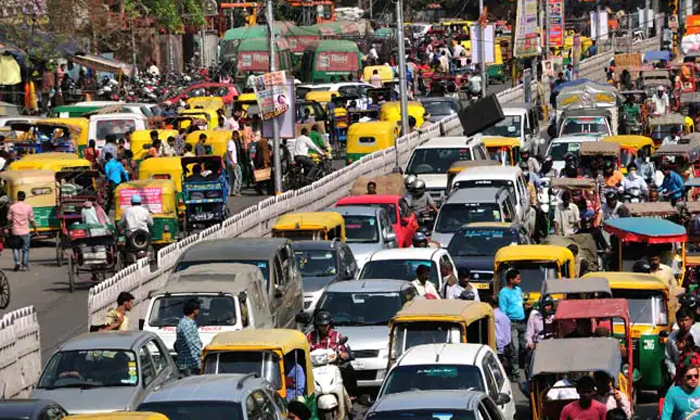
(419, 185)
(410, 181)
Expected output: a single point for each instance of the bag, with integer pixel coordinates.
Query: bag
(262, 174)
(14, 242)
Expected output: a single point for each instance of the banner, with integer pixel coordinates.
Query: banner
(489, 42)
(599, 26)
(271, 91)
(526, 29)
(556, 23)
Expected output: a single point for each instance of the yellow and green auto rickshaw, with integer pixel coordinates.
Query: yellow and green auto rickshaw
(40, 189)
(503, 149)
(385, 72)
(216, 143)
(159, 197)
(317, 226)
(208, 118)
(81, 128)
(53, 161)
(632, 148)
(368, 137)
(169, 168)
(391, 111)
(276, 351)
(141, 142)
(206, 102)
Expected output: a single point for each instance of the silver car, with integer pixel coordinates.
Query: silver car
(361, 311)
(103, 372)
(368, 230)
(440, 404)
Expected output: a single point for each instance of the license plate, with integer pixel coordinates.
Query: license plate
(481, 286)
(358, 364)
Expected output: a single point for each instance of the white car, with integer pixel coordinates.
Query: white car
(431, 160)
(562, 146)
(402, 263)
(446, 367)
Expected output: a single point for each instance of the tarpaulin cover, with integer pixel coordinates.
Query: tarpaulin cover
(102, 64)
(10, 73)
(577, 355)
(646, 229)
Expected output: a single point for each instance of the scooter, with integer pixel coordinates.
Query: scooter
(633, 195)
(332, 399)
(136, 247)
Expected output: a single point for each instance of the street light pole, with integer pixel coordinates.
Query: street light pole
(482, 50)
(277, 161)
(402, 76)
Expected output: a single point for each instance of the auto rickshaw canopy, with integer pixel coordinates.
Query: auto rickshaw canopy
(690, 150)
(652, 209)
(645, 229)
(629, 280)
(564, 355)
(668, 119)
(206, 102)
(630, 141)
(592, 285)
(572, 183)
(594, 148)
(324, 221)
(593, 308)
(54, 161)
(500, 142)
(164, 168)
(460, 311)
(510, 253)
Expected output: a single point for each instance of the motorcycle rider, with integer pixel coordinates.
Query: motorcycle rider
(419, 240)
(428, 237)
(420, 202)
(631, 112)
(612, 208)
(324, 336)
(301, 154)
(136, 217)
(633, 186)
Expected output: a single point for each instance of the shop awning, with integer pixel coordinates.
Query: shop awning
(102, 64)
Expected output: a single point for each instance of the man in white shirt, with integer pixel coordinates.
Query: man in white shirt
(444, 62)
(376, 80)
(301, 153)
(422, 283)
(461, 289)
(136, 217)
(661, 102)
(373, 56)
(567, 219)
(457, 50)
(234, 169)
(474, 83)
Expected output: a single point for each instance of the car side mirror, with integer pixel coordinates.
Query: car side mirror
(390, 237)
(303, 318)
(142, 323)
(502, 399)
(365, 400)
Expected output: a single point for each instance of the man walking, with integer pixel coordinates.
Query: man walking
(510, 300)
(188, 345)
(116, 317)
(235, 174)
(116, 174)
(503, 328)
(20, 216)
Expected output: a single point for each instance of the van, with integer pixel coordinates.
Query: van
(273, 256)
(521, 121)
(472, 205)
(510, 177)
(431, 161)
(231, 296)
(117, 124)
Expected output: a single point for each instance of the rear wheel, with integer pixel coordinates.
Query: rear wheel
(71, 275)
(4, 291)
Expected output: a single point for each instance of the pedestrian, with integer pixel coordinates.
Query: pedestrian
(188, 345)
(462, 289)
(566, 216)
(672, 353)
(235, 175)
(187, 151)
(200, 149)
(263, 160)
(682, 399)
(423, 285)
(672, 185)
(608, 395)
(510, 300)
(586, 408)
(297, 410)
(109, 147)
(91, 154)
(20, 216)
(502, 330)
(539, 323)
(154, 150)
(48, 82)
(116, 317)
(116, 174)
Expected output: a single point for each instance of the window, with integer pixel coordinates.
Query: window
(148, 371)
(366, 140)
(285, 256)
(116, 127)
(488, 377)
(348, 258)
(157, 352)
(496, 370)
(507, 211)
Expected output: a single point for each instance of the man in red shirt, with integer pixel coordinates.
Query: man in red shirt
(325, 337)
(586, 408)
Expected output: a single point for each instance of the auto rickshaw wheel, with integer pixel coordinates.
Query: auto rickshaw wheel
(4, 291)
(71, 275)
(59, 251)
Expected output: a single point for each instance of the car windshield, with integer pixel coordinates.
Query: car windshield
(265, 364)
(261, 264)
(440, 107)
(398, 270)
(362, 308)
(585, 126)
(389, 207)
(433, 377)
(507, 127)
(436, 161)
(646, 307)
(442, 414)
(316, 263)
(486, 183)
(215, 310)
(477, 242)
(90, 369)
(188, 410)
(559, 150)
(532, 274)
(454, 216)
(361, 229)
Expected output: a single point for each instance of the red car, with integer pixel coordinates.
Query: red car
(405, 222)
(225, 91)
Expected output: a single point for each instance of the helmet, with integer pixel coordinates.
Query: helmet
(419, 240)
(641, 266)
(688, 300)
(410, 181)
(323, 318)
(466, 295)
(546, 301)
(135, 199)
(419, 185)
(610, 195)
(425, 231)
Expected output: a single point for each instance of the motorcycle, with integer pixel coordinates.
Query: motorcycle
(136, 246)
(332, 398)
(633, 195)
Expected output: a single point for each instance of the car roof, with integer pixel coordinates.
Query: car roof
(443, 354)
(404, 254)
(220, 387)
(497, 173)
(441, 142)
(575, 139)
(370, 199)
(431, 400)
(368, 285)
(474, 195)
(107, 340)
(357, 210)
(238, 248)
(314, 245)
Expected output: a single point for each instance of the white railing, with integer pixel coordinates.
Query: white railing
(20, 357)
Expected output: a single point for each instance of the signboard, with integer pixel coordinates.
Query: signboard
(556, 23)
(272, 94)
(152, 198)
(489, 43)
(337, 62)
(599, 26)
(254, 61)
(576, 55)
(285, 122)
(527, 29)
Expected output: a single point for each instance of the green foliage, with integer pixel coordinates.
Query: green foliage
(170, 14)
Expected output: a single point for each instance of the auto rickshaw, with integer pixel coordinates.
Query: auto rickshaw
(200, 117)
(391, 111)
(368, 137)
(649, 300)
(385, 72)
(581, 189)
(593, 150)
(141, 142)
(245, 100)
(232, 352)
(206, 102)
(216, 143)
(582, 356)
(81, 128)
(683, 157)
(321, 96)
(53, 161)
(40, 189)
(536, 263)
(632, 238)
(205, 197)
(423, 321)
(164, 168)
(632, 149)
(159, 197)
(316, 226)
(41, 136)
(503, 149)
(660, 127)
(461, 165)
